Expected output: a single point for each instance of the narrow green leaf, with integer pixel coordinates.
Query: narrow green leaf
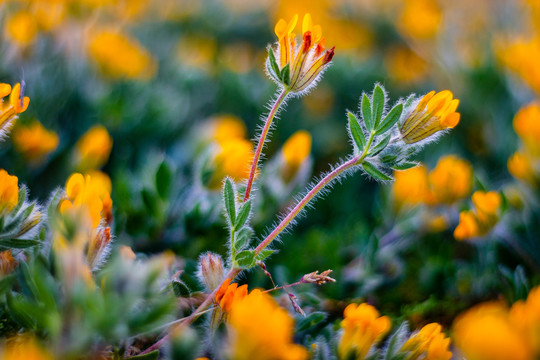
(396, 342)
(230, 202)
(273, 63)
(366, 112)
(246, 258)
(18, 243)
(153, 355)
(390, 120)
(180, 289)
(149, 200)
(381, 145)
(377, 106)
(264, 254)
(372, 171)
(404, 165)
(243, 237)
(310, 320)
(356, 132)
(164, 177)
(285, 75)
(243, 214)
(388, 159)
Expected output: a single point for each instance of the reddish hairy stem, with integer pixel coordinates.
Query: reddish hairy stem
(262, 140)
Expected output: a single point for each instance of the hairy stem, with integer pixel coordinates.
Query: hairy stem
(357, 160)
(262, 140)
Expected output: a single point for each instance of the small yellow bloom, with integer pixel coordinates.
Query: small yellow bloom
(22, 28)
(485, 332)
(34, 142)
(94, 148)
(18, 103)
(7, 263)
(197, 52)
(305, 62)
(410, 186)
(405, 66)
(525, 318)
(260, 329)
(9, 192)
(521, 167)
(484, 217)
(429, 343)
(527, 126)
(434, 112)
(450, 180)
(295, 151)
(228, 294)
(468, 226)
(362, 327)
(233, 159)
(420, 19)
(227, 127)
(520, 56)
(120, 56)
(24, 347)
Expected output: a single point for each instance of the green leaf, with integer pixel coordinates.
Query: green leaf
(163, 179)
(404, 165)
(372, 171)
(18, 243)
(243, 237)
(356, 132)
(246, 258)
(153, 355)
(273, 63)
(390, 120)
(230, 202)
(366, 112)
(396, 342)
(243, 214)
(180, 289)
(150, 201)
(264, 254)
(310, 320)
(285, 75)
(378, 105)
(380, 146)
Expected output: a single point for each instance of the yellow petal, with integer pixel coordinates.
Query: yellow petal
(5, 89)
(280, 28)
(307, 23)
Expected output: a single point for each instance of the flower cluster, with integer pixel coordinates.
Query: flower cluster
(34, 142)
(478, 222)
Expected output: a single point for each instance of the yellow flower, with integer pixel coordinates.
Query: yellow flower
(9, 192)
(228, 294)
(450, 180)
(434, 112)
(521, 167)
(94, 148)
(520, 56)
(485, 332)
(233, 159)
(7, 263)
(410, 186)
(17, 104)
(260, 329)
(525, 317)
(527, 126)
(404, 65)
(304, 62)
(362, 327)
(429, 343)
(487, 206)
(120, 56)
(227, 127)
(34, 142)
(197, 52)
(24, 347)
(21, 28)
(420, 19)
(468, 226)
(295, 151)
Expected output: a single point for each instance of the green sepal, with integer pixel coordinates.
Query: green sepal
(356, 131)
(284, 77)
(390, 120)
(372, 171)
(230, 203)
(273, 64)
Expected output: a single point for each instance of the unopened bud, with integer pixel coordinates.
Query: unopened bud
(211, 270)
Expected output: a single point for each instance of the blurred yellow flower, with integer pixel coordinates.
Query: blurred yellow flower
(228, 294)
(485, 216)
(18, 103)
(520, 56)
(260, 329)
(24, 347)
(362, 327)
(525, 318)
(241, 57)
(197, 52)
(434, 112)
(93, 148)
(420, 19)
(7, 263)
(404, 65)
(49, 14)
(450, 180)
(233, 158)
(429, 343)
(410, 186)
(521, 167)
(9, 192)
(468, 226)
(527, 126)
(34, 142)
(227, 127)
(21, 28)
(485, 332)
(295, 151)
(304, 63)
(120, 56)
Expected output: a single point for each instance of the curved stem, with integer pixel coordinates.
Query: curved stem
(262, 140)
